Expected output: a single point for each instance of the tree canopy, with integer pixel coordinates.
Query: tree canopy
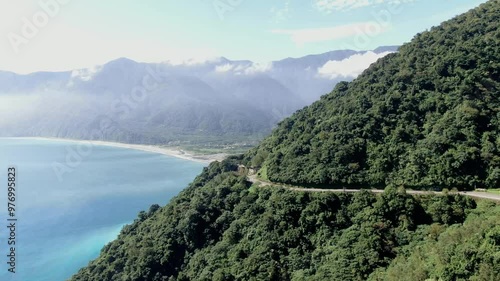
(425, 117)
(223, 228)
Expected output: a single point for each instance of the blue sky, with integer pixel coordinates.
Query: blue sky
(78, 33)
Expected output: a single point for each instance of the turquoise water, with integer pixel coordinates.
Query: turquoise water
(63, 222)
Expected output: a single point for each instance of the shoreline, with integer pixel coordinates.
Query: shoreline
(167, 151)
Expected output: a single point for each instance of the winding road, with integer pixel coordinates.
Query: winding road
(474, 194)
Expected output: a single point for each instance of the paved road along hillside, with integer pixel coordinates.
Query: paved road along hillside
(474, 194)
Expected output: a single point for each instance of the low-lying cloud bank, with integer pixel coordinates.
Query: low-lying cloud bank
(350, 67)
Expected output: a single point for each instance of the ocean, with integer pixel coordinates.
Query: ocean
(71, 199)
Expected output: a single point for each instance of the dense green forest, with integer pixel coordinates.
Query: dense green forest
(222, 228)
(427, 116)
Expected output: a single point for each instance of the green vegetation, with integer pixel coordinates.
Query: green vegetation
(426, 117)
(469, 251)
(223, 228)
(201, 143)
(215, 148)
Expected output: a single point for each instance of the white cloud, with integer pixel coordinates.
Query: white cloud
(86, 74)
(224, 68)
(313, 35)
(191, 61)
(249, 69)
(329, 6)
(350, 67)
(258, 68)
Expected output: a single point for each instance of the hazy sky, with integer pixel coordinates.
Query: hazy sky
(67, 34)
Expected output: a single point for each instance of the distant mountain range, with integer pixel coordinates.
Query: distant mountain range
(215, 101)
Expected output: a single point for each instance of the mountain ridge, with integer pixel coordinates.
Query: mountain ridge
(171, 112)
(221, 59)
(436, 99)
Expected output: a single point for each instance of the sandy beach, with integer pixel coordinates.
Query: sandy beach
(169, 151)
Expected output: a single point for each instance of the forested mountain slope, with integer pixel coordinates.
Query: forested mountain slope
(427, 116)
(221, 228)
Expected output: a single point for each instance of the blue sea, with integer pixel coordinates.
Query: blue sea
(72, 199)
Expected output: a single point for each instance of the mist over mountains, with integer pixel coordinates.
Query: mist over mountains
(215, 101)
